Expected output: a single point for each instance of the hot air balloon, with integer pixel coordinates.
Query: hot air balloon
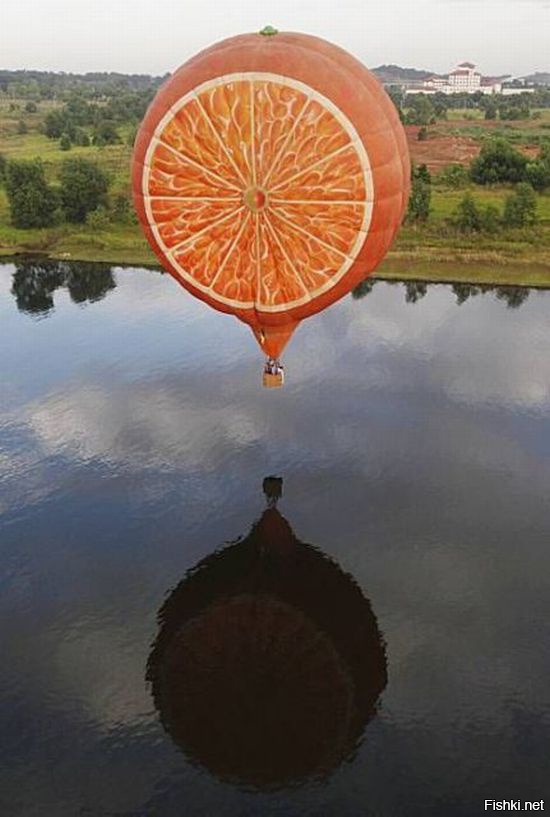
(268, 663)
(270, 175)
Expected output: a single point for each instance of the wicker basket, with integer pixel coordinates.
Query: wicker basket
(273, 381)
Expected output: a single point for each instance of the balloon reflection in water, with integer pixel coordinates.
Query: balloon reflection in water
(268, 663)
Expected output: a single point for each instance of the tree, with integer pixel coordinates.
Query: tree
(65, 142)
(498, 162)
(421, 111)
(83, 188)
(491, 109)
(537, 174)
(454, 176)
(421, 194)
(520, 208)
(81, 138)
(55, 125)
(33, 203)
(466, 216)
(106, 134)
(490, 219)
(31, 107)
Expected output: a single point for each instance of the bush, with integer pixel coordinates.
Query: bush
(33, 203)
(491, 110)
(3, 165)
(490, 219)
(55, 125)
(498, 162)
(22, 127)
(422, 135)
(81, 138)
(453, 176)
(120, 209)
(65, 142)
(98, 219)
(520, 208)
(31, 107)
(83, 188)
(537, 174)
(466, 217)
(106, 134)
(421, 194)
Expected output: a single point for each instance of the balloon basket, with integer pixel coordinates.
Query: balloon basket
(273, 381)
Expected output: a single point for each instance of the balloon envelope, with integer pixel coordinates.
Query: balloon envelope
(270, 175)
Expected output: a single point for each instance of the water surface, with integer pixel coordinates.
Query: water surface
(393, 607)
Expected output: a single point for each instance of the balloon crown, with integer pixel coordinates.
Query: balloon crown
(268, 31)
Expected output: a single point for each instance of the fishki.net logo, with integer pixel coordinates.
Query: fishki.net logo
(514, 805)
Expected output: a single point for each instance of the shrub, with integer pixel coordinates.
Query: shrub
(537, 174)
(520, 208)
(453, 176)
(3, 164)
(466, 217)
(81, 138)
(498, 162)
(83, 188)
(106, 134)
(422, 135)
(98, 219)
(120, 209)
(22, 127)
(490, 219)
(65, 142)
(421, 194)
(33, 203)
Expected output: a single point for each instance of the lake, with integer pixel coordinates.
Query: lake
(327, 599)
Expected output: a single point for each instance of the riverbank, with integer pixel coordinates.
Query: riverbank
(416, 254)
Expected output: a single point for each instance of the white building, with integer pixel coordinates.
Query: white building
(464, 79)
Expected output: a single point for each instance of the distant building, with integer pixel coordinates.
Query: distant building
(464, 79)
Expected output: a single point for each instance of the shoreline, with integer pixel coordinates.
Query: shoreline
(455, 267)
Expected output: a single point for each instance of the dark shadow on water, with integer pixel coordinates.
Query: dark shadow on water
(35, 282)
(513, 296)
(268, 663)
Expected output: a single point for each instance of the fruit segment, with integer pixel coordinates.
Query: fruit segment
(338, 176)
(315, 264)
(229, 109)
(192, 134)
(335, 224)
(203, 256)
(276, 111)
(171, 175)
(178, 220)
(237, 280)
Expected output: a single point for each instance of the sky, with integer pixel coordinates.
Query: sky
(143, 36)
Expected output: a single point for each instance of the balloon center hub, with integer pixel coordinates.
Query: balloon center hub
(255, 199)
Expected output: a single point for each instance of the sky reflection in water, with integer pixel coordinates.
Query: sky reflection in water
(414, 441)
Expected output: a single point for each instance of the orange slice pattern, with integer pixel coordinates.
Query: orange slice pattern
(258, 190)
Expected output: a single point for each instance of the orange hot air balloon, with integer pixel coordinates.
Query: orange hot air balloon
(270, 175)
